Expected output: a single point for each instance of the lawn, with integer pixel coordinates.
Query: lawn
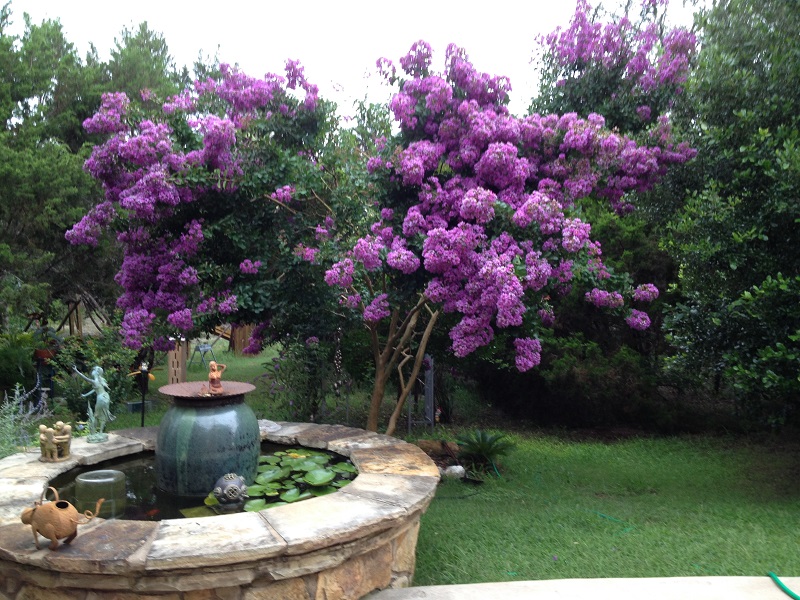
(634, 508)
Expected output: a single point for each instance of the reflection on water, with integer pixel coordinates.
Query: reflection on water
(144, 502)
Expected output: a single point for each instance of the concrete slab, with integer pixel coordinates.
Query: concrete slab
(655, 588)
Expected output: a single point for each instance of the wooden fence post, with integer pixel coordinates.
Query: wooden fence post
(177, 360)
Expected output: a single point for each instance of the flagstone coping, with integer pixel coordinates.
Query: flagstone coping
(343, 545)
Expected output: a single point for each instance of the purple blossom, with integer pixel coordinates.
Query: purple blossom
(646, 292)
(182, 319)
(604, 299)
(478, 205)
(368, 251)
(305, 253)
(528, 353)
(638, 320)
(249, 267)
(340, 274)
(377, 309)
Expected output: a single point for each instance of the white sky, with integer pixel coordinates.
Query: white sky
(338, 41)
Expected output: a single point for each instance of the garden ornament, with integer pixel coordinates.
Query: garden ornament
(102, 408)
(215, 371)
(230, 491)
(55, 442)
(56, 520)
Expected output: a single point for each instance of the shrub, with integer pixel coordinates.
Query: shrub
(480, 450)
(16, 361)
(105, 350)
(18, 414)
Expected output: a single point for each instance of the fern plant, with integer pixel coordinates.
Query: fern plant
(480, 450)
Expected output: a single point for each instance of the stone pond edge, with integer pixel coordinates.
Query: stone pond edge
(341, 546)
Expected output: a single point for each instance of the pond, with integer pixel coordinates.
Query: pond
(284, 475)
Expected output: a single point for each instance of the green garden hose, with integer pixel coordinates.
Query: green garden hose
(781, 585)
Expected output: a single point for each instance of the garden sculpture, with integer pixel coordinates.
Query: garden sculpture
(55, 441)
(215, 371)
(230, 491)
(102, 408)
(56, 520)
(47, 443)
(63, 439)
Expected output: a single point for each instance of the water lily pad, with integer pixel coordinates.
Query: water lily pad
(319, 477)
(322, 491)
(340, 483)
(198, 511)
(291, 495)
(269, 459)
(254, 491)
(210, 500)
(272, 474)
(344, 467)
(255, 505)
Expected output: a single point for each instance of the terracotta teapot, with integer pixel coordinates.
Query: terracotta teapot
(56, 520)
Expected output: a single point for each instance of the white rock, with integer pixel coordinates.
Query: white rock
(455, 471)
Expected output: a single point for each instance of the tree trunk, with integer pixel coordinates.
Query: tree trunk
(376, 399)
(409, 385)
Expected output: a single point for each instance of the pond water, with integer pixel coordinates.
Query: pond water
(284, 475)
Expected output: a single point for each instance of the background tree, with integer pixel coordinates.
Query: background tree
(140, 60)
(43, 185)
(630, 67)
(735, 238)
(216, 196)
(482, 219)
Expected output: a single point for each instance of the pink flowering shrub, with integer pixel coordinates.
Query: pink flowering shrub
(481, 210)
(628, 68)
(190, 195)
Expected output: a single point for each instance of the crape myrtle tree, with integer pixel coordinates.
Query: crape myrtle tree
(631, 67)
(481, 219)
(211, 194)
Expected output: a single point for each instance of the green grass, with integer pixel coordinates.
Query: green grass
(636, 508)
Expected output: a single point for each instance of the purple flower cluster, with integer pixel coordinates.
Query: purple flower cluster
(621, 46)
(604, 299)
(249, 267)
(147, 173)
(491, 202)
(528, 353)
(646, 292)
(377, 309)
(638, 320)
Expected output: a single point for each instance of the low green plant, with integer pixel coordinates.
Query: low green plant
(292, 475)
(16, 361)
(18, 415)
(480, 450)
(301, 377)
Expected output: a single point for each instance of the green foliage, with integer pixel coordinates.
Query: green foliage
(105, 350)
(735, 239)
(140, 60)
(480, 450)
(297, 474)
(18, 415)
(302, 378)
(16, 361)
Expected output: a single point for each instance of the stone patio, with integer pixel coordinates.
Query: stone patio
(340, 546)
